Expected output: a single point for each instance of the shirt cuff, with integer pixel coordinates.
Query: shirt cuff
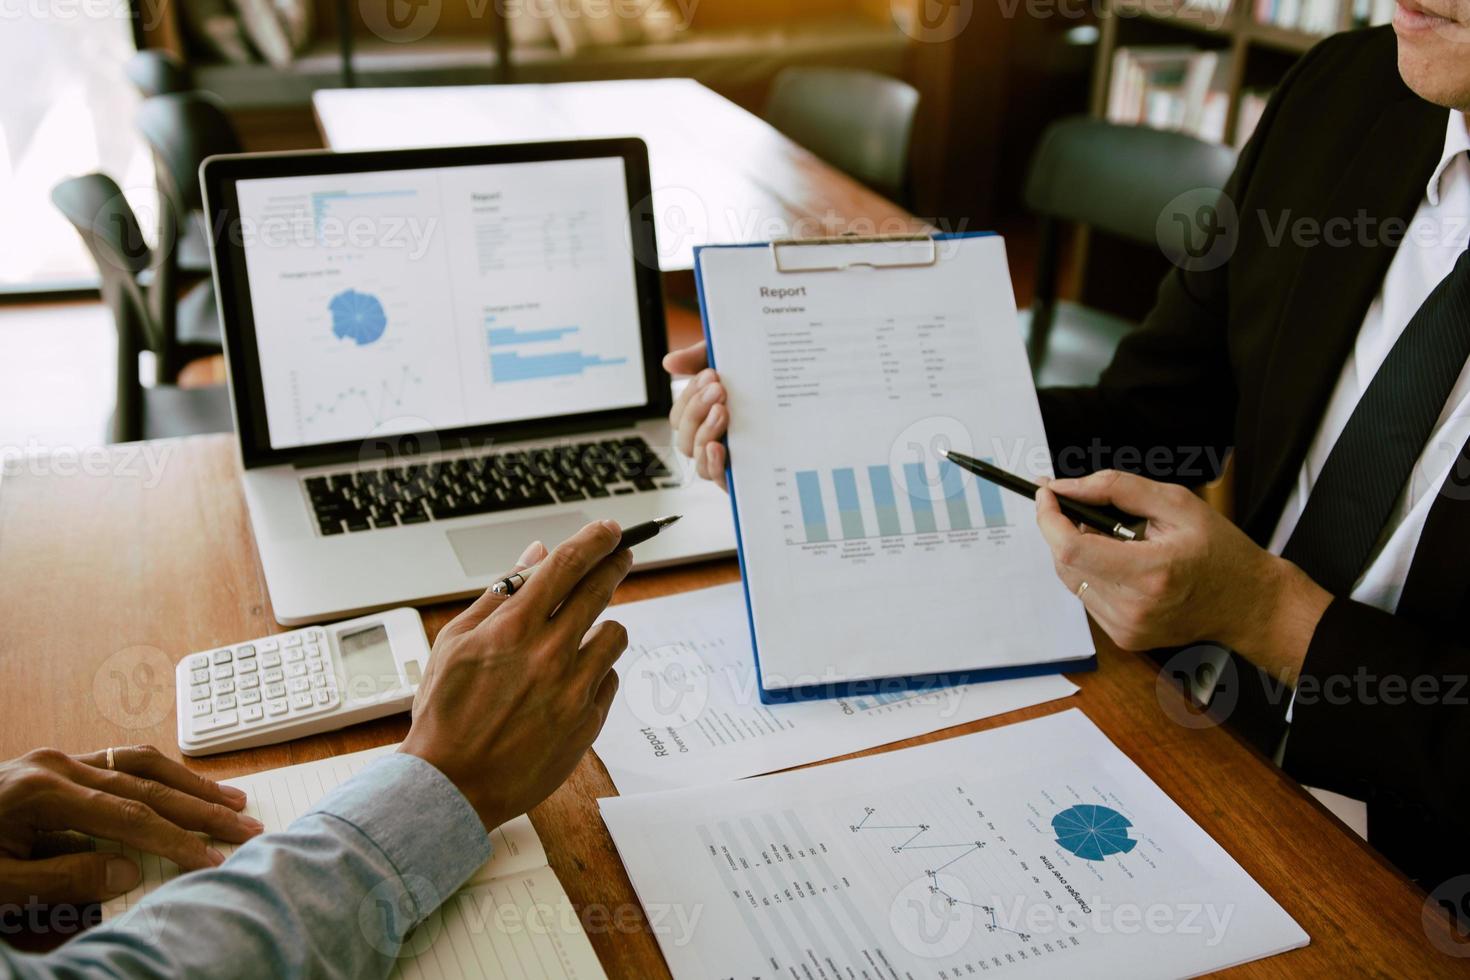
(419, 820)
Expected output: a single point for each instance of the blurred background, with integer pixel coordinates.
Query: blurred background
(995, 117)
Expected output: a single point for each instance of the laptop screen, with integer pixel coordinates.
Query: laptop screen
(438, 298)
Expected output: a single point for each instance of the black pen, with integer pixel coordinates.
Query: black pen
(637, 534)
(1109, 520)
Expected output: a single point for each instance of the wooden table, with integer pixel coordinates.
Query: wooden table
(720, 175)
(114, 567)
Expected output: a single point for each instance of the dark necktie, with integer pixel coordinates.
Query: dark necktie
(1371, 462)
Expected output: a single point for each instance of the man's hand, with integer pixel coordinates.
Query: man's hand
(147, 801)
(1195, 576)
(517, 688)
(700, 416)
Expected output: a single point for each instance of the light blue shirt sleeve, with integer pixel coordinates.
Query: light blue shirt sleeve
(333, 895)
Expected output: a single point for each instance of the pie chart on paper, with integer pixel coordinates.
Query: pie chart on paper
(1092, 832)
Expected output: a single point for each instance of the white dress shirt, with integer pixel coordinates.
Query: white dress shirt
(1437, 235)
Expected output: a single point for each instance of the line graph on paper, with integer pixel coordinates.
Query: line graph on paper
(920, 837)
(963, 891)
(931, 876)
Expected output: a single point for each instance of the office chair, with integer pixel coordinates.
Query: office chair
(101, 215)
(182, 129)
(1117, 180)
(858, 121)
(155, 72)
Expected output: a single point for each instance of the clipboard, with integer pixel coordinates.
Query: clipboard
(837, 258)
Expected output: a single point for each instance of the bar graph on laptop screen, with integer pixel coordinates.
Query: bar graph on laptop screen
(532, 355)
(412, 300)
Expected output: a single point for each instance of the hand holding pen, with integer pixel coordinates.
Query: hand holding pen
(1108, 520)
(635, 535)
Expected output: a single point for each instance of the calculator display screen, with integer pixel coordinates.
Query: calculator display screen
(368, 660)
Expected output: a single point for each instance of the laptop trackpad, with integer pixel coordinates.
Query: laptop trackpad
(492, 549)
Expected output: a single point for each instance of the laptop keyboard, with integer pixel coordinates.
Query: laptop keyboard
(414, 493)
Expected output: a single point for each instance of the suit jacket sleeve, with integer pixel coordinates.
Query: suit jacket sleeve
(1167, 400)
(1382, 714)
(1382, 711)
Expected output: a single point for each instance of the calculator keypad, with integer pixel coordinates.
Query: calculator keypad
(279, 678)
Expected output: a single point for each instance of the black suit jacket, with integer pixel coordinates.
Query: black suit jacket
(1245, 357)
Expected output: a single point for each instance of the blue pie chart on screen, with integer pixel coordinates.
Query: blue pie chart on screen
(358, 317)
(1092, 832)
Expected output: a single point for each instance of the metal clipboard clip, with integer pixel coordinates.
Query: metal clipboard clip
(913, 252)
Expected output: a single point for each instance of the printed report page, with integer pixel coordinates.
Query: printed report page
(1037, 850)
(866, 554)
(686, 713)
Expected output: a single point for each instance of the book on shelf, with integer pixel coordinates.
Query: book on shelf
(1322, 17)
(1168, 87)
(1220, 7)
(1252, 105)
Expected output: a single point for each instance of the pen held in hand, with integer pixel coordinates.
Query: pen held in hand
(637, 534)
(1108, 520)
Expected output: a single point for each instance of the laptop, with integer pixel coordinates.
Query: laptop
(436, 357)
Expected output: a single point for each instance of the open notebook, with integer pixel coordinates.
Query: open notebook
(511, 919)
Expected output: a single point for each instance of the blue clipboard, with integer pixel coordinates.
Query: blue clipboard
(880, 686)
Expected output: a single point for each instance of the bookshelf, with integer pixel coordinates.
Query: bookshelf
(1247, 47)
(1250, 43)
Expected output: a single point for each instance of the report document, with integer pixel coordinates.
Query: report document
(1035, 850)
(866, 555)
(687, 712)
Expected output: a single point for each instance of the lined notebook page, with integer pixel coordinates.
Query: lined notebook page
(512, 919)
(523, 925)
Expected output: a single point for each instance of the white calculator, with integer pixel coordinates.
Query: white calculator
(293, 684)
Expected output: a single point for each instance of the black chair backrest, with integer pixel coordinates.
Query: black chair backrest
(95, 206)
(156, 72)
(184, 128)
(859, 121)
(1119, 179)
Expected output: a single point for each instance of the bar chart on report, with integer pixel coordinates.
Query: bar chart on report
(854, 503)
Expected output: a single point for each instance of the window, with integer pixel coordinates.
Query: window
(67, 109)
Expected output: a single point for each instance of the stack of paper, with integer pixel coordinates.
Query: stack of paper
(688, 712)
(1035, 850)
